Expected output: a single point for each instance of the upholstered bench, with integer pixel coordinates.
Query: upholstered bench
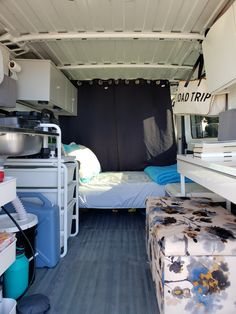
(191, 244)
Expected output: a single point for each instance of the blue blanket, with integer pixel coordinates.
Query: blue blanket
(164, 175)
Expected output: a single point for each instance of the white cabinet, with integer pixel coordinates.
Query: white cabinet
(42, 85)
(219, 50)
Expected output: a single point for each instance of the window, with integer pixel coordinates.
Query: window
(203, 127)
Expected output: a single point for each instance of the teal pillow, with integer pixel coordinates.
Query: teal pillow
(70, 148)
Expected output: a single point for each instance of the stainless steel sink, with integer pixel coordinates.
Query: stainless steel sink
(19, 144)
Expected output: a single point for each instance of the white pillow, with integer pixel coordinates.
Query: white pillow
(89, 164)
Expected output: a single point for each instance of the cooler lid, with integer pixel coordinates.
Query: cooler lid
(7, 225)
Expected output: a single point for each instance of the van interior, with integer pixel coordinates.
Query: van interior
(117, 156)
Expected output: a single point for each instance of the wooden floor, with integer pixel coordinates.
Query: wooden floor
(105, 270)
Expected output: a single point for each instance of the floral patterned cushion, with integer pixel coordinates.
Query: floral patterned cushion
(191, 246)
(191, 226)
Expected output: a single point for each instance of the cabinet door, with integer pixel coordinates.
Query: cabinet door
(71, 98)
(219, 50)
(57, 87)
(74, 100)
(33, 82)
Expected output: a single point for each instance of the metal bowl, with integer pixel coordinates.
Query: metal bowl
(19, 144)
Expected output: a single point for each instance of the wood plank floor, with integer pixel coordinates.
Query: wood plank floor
(105, 271)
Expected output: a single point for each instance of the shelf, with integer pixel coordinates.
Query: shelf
(7, 257)
(7, 190)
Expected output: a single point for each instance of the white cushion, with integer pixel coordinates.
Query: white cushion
(89, 164)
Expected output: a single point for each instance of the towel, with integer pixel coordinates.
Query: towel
(164, 175)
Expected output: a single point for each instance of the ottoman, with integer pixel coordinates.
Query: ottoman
(191, 245)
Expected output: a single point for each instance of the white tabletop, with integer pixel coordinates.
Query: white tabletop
(227, 166)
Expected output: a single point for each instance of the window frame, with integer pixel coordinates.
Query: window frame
(188, 134)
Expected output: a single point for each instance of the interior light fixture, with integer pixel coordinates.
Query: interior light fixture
(126, 82)
(100, 82)
(158, 82)
(136, 82)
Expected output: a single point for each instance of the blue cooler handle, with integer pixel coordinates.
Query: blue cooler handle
(40, 196)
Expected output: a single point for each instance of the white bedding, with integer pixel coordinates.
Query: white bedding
(127, 189)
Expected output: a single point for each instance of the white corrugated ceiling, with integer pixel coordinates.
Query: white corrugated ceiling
(87, 39)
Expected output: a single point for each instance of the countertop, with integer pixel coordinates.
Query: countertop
(5, 129)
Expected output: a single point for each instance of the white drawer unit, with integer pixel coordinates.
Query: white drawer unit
(62, 192)
(57, 180)
(70, 214)
(38, 176)
(51, 193)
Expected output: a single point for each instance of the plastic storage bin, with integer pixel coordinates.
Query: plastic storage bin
(8, 306)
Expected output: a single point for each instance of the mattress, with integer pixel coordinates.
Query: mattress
(128, 189)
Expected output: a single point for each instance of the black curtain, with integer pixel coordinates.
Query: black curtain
(128, 126)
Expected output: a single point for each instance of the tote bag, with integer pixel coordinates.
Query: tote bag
(195, 99)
